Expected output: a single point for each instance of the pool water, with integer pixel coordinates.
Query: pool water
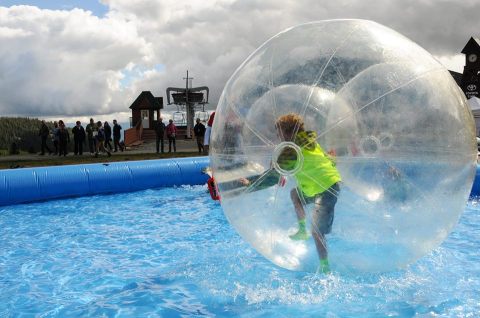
(171, 253)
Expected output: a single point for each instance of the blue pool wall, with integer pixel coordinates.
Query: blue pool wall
(476, 184)
(46, 183)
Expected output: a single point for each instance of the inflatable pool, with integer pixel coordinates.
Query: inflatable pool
(46, 183)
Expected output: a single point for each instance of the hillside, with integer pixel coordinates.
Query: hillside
(23, 132)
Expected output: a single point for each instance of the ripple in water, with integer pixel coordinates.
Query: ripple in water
(171, 253)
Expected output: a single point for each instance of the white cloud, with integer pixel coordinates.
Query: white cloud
(71, 63)
(453, 62)
(65, 62)
(6, 32)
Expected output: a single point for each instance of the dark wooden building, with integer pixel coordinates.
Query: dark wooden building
(145, 114)
(146, 109)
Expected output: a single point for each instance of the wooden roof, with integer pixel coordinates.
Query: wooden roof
(146, 100)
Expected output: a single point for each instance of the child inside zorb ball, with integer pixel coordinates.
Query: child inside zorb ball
(402, 134)
(317, 181)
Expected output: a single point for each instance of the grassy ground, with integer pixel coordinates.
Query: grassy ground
(10, 162)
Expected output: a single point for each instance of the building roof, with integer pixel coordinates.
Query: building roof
(472, 46)
(152, 102)
(159, 100)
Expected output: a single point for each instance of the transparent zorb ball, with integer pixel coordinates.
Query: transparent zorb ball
(394, 121)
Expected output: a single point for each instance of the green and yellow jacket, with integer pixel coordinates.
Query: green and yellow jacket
(318, 172)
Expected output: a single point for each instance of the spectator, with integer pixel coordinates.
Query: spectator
(171, 135)
(63, 138)
(43, 133)
(91, 130)
(55, 137)
(116, 136)
(159, 132)
(199, 131)
(108, 135)
(78, 138)
(208, 131)
(100, 140)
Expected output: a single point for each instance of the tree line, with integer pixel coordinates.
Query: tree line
(21, 134)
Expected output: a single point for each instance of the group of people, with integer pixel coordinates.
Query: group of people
(97, 134)
(202, 134)
(98, 137)
(59, 135)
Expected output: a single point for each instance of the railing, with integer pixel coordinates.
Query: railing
(134, 134)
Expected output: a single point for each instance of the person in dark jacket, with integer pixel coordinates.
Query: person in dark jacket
(108, 135)
(44, 132)
(116, 136)
(159, 132)
(199, 131)
(91, 131)
(78, 138)
(55, 137)
(63, 138)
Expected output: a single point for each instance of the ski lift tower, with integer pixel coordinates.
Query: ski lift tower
(188, 98)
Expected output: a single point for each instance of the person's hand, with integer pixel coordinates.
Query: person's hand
(244, 181)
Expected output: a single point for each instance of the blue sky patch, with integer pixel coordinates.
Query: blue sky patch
(136, 73)
(94, 6)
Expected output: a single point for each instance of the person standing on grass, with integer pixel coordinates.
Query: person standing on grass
(78, 138)
(44, 132)
(55, 137)
(91, 130)
(100, 140)
(116, 136)
(159, 132)
(172, 136)
(108, 135)
(199, 131)
(63, 138)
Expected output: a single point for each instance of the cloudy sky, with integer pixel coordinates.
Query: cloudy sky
(82, 58)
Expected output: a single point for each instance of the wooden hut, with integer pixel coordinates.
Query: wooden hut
(145, 114)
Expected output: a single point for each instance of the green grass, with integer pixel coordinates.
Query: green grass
(46, 160)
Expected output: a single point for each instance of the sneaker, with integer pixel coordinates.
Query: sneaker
(324, 267)
(301, 235)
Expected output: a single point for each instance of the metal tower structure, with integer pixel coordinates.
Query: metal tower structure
(189, 98)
